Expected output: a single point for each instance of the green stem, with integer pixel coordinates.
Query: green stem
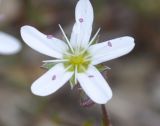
(106, 120)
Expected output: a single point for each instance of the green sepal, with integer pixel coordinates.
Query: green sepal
(72, 82)
(48, 65)
(102, 67)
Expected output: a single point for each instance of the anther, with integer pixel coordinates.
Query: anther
(109, 44)
(54, 77)
(90, 76)
(81, 20)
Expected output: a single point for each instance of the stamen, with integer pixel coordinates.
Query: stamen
(68, 68)
(67, 53)
(83, 67)
(92, 40)
(81, 20)
(55, 61)
(94, 37)
(109, 44)
(68, 42)
(88, 59)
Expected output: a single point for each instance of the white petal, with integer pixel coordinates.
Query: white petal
(74, 36)
(83, 27)
(111, 49)
(95, 85)
(84, 10)
(51, 81)
(8, 44)
(40, 42)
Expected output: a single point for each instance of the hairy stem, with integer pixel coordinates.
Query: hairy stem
(106, 120)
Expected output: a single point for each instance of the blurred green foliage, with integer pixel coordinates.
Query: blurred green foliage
(145, 7)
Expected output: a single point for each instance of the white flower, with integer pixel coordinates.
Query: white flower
(76, 58)
(8, 44)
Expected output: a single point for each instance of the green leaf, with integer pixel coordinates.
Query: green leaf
(48, 65)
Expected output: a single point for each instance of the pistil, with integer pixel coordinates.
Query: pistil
(77, 61)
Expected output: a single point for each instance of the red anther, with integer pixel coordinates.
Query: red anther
(90, 76)
(54, 77)
(81, 20)
(109, 44)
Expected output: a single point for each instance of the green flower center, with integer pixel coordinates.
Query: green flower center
(79, 61)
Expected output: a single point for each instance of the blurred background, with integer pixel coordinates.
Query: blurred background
(134, 78)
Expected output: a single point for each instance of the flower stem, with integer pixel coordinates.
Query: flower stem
(106, 120)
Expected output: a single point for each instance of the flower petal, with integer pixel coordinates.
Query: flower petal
(44, 44)
(111, 49)
(74, 36)
(9, 44)
(83, 27)
(95, 85)
(84, 11)
(51, 81)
